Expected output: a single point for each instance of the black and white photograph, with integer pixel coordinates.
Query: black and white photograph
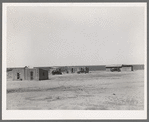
(74, 60)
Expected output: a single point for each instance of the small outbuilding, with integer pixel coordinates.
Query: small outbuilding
(113, 68)
(119, 68)
(27, 73)
(127, 67)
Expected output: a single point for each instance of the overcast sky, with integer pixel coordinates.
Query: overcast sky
(75, 35)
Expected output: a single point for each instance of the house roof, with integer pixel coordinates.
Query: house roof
(125, 65)
(118, 65)
(113, 65)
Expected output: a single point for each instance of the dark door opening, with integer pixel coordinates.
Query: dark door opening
(18, 75)
(31, 75)
(131, 68)
(72, 70)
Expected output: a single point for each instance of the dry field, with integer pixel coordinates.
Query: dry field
(98, 90)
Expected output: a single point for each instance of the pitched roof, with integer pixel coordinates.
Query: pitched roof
(113, 65)
(125, 65)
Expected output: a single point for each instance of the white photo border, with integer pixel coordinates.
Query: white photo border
(68, 114)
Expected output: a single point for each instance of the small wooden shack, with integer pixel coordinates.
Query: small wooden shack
(26, 73)
(119, 68)
(127, 67)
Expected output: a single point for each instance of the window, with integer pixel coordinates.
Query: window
(43, 73)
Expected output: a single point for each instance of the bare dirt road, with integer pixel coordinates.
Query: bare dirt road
(98, 90)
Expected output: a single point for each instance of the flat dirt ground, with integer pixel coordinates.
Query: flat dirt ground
(98, 90)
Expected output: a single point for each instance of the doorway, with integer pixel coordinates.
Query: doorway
(31, 75)
(18, 75)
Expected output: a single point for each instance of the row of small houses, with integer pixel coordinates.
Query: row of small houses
(43, 73)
